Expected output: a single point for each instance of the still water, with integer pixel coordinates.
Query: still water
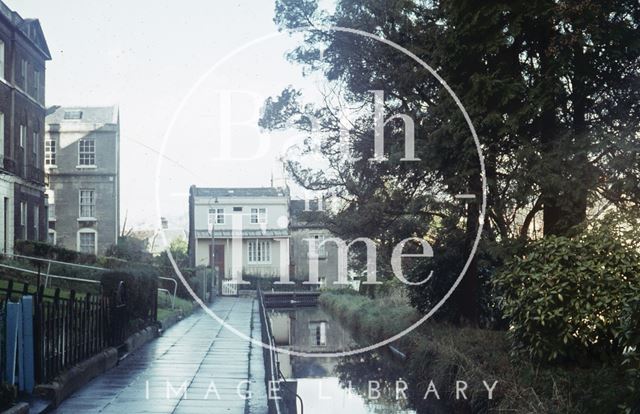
(366, 383)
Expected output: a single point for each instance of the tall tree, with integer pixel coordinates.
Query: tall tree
(551, 86)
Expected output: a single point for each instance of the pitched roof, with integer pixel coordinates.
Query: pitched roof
(30, 28)
(239, 192)
(82, 114)
(33, 31)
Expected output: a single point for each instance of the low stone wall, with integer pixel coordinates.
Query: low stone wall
(19, 408)
(138, 339)
(77, 376)
(73, 379)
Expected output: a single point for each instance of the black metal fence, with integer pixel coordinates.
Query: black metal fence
(281, 396)
(272, 375)
(69, 329)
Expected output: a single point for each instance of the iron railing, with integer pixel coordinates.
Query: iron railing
(70, 329)
(276, 400)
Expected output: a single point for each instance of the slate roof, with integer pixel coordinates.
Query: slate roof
(30, 28)
(89, 114)
(249, 192)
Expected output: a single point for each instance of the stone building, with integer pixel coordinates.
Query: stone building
(305, 226)
(261, 245)
(82, 158)
(23, 53)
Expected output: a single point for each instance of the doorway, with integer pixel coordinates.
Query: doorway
(218, 260)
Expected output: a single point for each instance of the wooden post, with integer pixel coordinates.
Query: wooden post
(13, 319)
(27, 357)
(39, 335)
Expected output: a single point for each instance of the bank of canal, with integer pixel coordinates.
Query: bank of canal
(370, 382)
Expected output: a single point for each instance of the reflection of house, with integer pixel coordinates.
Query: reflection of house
(308, 330)
(82, 157)
(23, 53)
(261, 244)
(306, 226)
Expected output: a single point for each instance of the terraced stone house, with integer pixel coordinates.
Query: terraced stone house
(82, 157)
(23, 53)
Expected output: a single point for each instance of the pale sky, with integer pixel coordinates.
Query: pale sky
(145, 56)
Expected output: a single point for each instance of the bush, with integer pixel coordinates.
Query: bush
(129, 248)
(567, 298)
(45, 250)
(141, 285)
(49, 251)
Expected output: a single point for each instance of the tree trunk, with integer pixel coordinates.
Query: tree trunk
(565, 189)
(469, 289)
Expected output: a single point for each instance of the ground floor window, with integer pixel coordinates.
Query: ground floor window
(319, 245)
(51, 237)
(318, 331)
(23, 220)
(87, 241)
(259, 251)
(36, 223)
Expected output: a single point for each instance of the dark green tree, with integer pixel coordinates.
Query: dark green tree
(552, 88)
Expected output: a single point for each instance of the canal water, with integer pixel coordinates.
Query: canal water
(370, 382)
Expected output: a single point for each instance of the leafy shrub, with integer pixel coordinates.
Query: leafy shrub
(193, 279)
(567, 298)
(129, 248)
(45, 250)
(49, 251)
(141, 285)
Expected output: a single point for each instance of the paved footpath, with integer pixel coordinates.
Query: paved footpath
(217, 368)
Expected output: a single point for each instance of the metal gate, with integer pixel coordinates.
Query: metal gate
(229, 288)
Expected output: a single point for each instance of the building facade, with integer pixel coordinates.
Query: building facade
(23, 53)
(82, 159)
(307, 236)
(250, 231)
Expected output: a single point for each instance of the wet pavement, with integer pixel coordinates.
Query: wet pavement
(218, 370)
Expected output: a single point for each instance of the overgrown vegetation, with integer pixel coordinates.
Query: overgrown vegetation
(568, 298)
(445, 353)
(552, 89)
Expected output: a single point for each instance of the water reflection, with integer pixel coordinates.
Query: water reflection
(362, 384)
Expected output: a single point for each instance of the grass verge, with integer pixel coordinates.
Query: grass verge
(181, 308)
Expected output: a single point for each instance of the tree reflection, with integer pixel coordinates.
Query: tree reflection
(372, 372)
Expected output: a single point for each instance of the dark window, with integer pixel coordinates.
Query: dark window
(237, 209)
(72, 114)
